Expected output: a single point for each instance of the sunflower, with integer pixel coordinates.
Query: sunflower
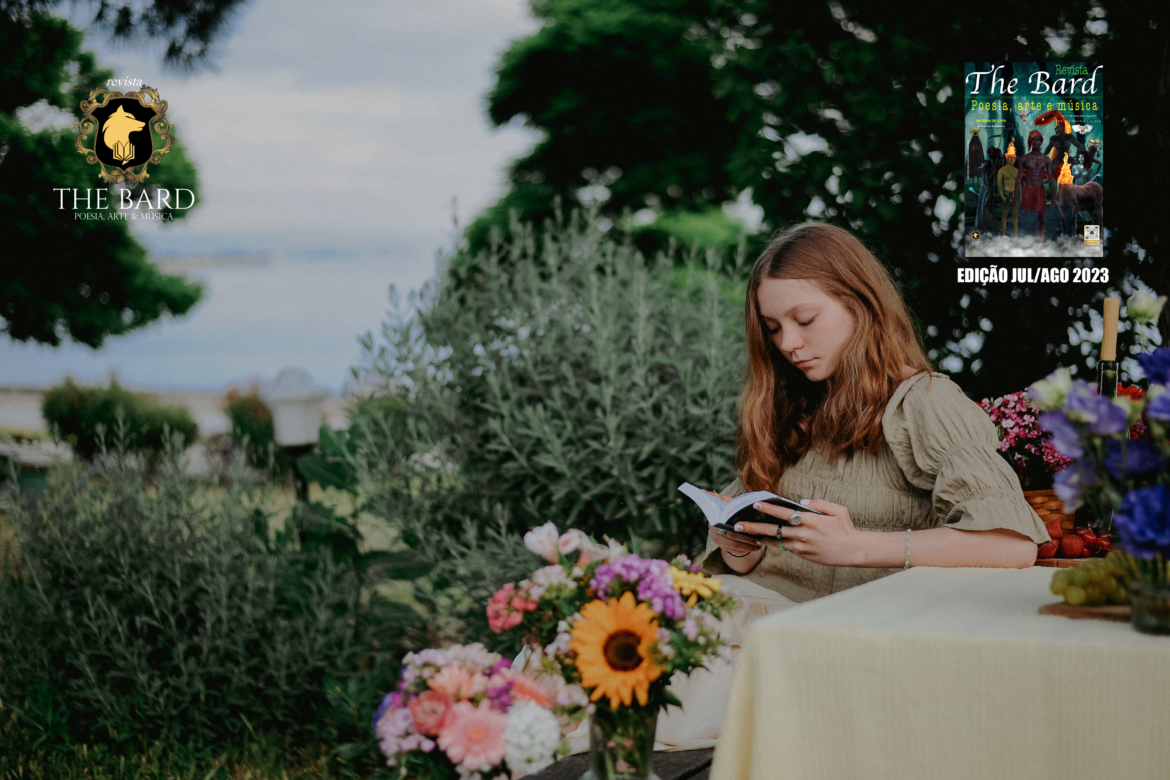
(612, 641)
(693, 585)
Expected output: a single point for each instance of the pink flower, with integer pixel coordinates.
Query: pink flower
(524, 687)
(573, 539)
(543, 542)
(507, 607)
(474, 736)
(457, 683)
(430, 711)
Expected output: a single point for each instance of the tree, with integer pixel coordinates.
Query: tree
(623, 95)
(846, 112)
(63, 275)
(189, 27)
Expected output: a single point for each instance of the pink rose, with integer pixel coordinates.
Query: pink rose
(430, 711)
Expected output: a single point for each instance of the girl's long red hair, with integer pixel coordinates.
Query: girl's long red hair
(782, 414)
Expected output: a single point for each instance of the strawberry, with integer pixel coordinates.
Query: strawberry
(1054, 529)
(1072, 546)
(1048, 549)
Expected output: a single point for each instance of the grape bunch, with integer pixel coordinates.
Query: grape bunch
(1094, 583)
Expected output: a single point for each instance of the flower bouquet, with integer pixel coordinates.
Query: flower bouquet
(617, 625)
(1022, 442)
(462, 712)
(1122, 479)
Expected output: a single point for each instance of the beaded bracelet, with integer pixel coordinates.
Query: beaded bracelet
(907, 564)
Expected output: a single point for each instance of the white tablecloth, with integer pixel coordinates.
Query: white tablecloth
(946, 674)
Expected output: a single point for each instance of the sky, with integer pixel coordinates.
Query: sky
(331, 138)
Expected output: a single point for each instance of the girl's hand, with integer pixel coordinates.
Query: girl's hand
(736, 545)
(829, 539)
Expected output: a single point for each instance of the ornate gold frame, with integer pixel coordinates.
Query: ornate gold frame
(159, 124)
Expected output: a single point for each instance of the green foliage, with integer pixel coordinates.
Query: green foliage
(707, 229)
(252, 430)
(623, 112)
(582, 387)
(167, 612)
(189, 29)
(85, 417)
(839, 111)
(82, 278)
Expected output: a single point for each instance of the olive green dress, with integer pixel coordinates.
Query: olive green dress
(939, 467)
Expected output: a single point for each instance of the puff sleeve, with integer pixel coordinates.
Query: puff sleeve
(946, 445)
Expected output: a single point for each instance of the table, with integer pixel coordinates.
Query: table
(946, 673)
(680, 765)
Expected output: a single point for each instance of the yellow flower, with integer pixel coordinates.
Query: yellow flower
(694, 585)
(612, 641)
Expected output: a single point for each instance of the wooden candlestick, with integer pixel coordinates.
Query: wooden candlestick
(1109, 338)
(1107, 367)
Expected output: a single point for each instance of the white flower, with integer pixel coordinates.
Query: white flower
(1143, 307)
(616, 550)
(591, 552)
(532, 736)
(559, 645)
(543, 579)
(573, 539)
(1049, 392)
(543, 542)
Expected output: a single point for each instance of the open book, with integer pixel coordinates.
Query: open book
(724, 515)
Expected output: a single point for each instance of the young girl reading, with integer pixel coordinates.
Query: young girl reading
(841, 410)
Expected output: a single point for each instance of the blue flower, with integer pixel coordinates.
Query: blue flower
(1065, 437)
(1143, 521)
(1156, 365)
(1159, 408)
(1071, 481)
(1135, 456)
(1084, 405)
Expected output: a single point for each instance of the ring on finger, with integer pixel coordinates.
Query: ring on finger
(796, 518)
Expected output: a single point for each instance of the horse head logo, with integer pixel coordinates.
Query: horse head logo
(116, 134)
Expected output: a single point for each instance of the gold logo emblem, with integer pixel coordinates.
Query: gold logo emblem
(975, 234)
(124, 134)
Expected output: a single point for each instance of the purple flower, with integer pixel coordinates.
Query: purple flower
(500, 696)
(388, 701)
(1156, 365)
(1143, 521)
(1135, 456)
(1159, 408)
(1071, 481)
(652, 579)
(1084, 405)
(1065, 437)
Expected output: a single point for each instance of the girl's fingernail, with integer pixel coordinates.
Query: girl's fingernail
(805, 501)
(739, 526)
(757, 505)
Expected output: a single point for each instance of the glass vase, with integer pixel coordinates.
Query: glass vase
(621, 743)
(1151, 607)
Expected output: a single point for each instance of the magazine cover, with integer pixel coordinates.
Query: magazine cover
(458, 390)
(1034, 170)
